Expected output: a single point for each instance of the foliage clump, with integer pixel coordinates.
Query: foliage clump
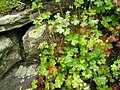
(7, 5)
(80, 42)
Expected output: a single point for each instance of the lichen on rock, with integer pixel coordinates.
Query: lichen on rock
(24, 71)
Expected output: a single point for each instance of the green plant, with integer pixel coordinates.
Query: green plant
(33, 84)
(8, 5)
(76, 51)
(116, 68)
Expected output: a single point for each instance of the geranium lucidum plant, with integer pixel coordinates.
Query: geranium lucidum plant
(79, 42)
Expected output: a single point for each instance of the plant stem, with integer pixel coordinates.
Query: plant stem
(51, 41)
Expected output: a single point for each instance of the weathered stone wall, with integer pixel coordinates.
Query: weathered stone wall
(17, 43)
(16, 49)
(9, 51)
(32, 38)
(12, 48)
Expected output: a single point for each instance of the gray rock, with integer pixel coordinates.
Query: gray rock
(9, 52)
(10, 22)
(31, 39)
(19, 19)
(16, 80)
(24, 71)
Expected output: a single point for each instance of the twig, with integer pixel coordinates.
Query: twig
(50, 41)
(61, 10)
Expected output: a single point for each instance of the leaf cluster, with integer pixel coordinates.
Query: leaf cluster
(8, 5)
(80, 41)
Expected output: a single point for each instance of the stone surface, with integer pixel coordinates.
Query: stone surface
(10, 22)
(32, 38)
(24, 71)
(9, 51)
(16, 80)
(19, 19)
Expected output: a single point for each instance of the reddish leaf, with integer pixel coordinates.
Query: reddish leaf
(83, 30)
(112, 38)
(115, 88)
(118, 29)
(103, 38)
(118, 45)
(50, 68)
(59, 70)
(108, 52)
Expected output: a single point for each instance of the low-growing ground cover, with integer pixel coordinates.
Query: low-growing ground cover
(82, 51)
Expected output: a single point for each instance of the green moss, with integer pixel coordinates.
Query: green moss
(7, 5)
